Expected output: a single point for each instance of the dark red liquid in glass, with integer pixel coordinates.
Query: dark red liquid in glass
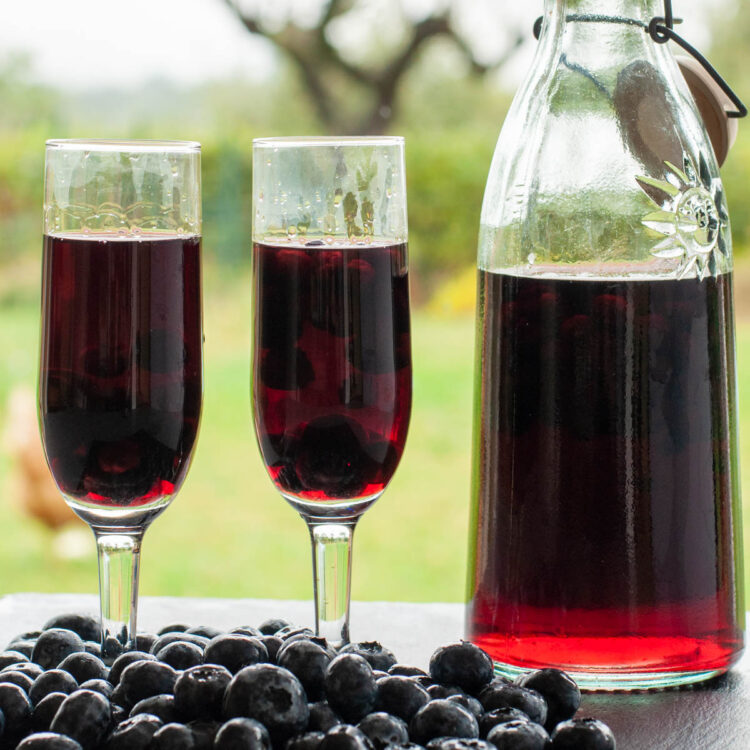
(121, 369)
(606, 496)
(332, 367)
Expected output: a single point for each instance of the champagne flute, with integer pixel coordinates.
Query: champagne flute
(332, 354)
(121, 373)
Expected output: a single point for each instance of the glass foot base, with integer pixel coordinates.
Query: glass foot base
(617, 681)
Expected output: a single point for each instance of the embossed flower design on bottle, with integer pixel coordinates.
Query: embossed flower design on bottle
(691, 219)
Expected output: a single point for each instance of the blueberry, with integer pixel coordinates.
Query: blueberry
(273, 644)
(378, 656)
(145, 641)
(442, 718)
(519, 735)
(384, 729)
(29, 635)
(199, 691)
(142, 679)
(129, 657)
(401, 696)
(85, 716)
(404, 670)
(203, 733)
(167, 638)
(173, 737)
(290, 630)
(10, 658)
(45, 710)
(306, 741)
(118, 699)
(444, 691)
(318, 640)
(25, 648)
(272, 626)
(468, 702)
(235, 652)
(176, 627)
(583, 734)
(350, 687)
(246, 630)
(513, 696)
(308, 662)
(322, 717)
(87, 627)
(270, 694)
(98, 686)
(207, 631)
(329, 456)
(52, 681)
(162, 706)
(110, 649)
(119, 714)
(458, 743)
(558, 689)
(242, 734)
(92, 647)
(134, 733)
(345, 737)
(54, 645)
(17, 678)
(48, 741)
(462, 664)
(499, 716)
(181, 655)
(26, 667)
(84, 666)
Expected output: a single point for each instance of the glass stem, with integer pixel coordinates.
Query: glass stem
(332, 575)
(119, 554)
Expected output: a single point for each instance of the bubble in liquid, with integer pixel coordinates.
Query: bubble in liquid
(338, 196)
(531, 258)
(135, 230)
(180, 230)
(328, 239)
(260, 196)
(291, 231)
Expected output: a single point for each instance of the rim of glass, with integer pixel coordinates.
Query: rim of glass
(105, 144)
(291, 141)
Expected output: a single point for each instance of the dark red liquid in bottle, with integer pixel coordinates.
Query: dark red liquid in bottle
(121, 367)
(332, 367)
(606, 498)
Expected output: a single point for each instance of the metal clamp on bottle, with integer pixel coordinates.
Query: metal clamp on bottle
(661, 30)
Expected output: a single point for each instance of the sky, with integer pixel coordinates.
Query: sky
(123, 43)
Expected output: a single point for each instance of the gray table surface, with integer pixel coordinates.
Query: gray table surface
(714, 716)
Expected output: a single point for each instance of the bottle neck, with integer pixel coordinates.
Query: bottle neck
(636, 10)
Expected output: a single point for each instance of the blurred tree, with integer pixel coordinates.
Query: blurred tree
(353, 79)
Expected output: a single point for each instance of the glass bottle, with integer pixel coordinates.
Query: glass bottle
(606, 535)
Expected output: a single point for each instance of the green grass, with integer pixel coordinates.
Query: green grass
(229, 533)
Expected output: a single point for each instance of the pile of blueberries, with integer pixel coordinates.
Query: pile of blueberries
(275, 687)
